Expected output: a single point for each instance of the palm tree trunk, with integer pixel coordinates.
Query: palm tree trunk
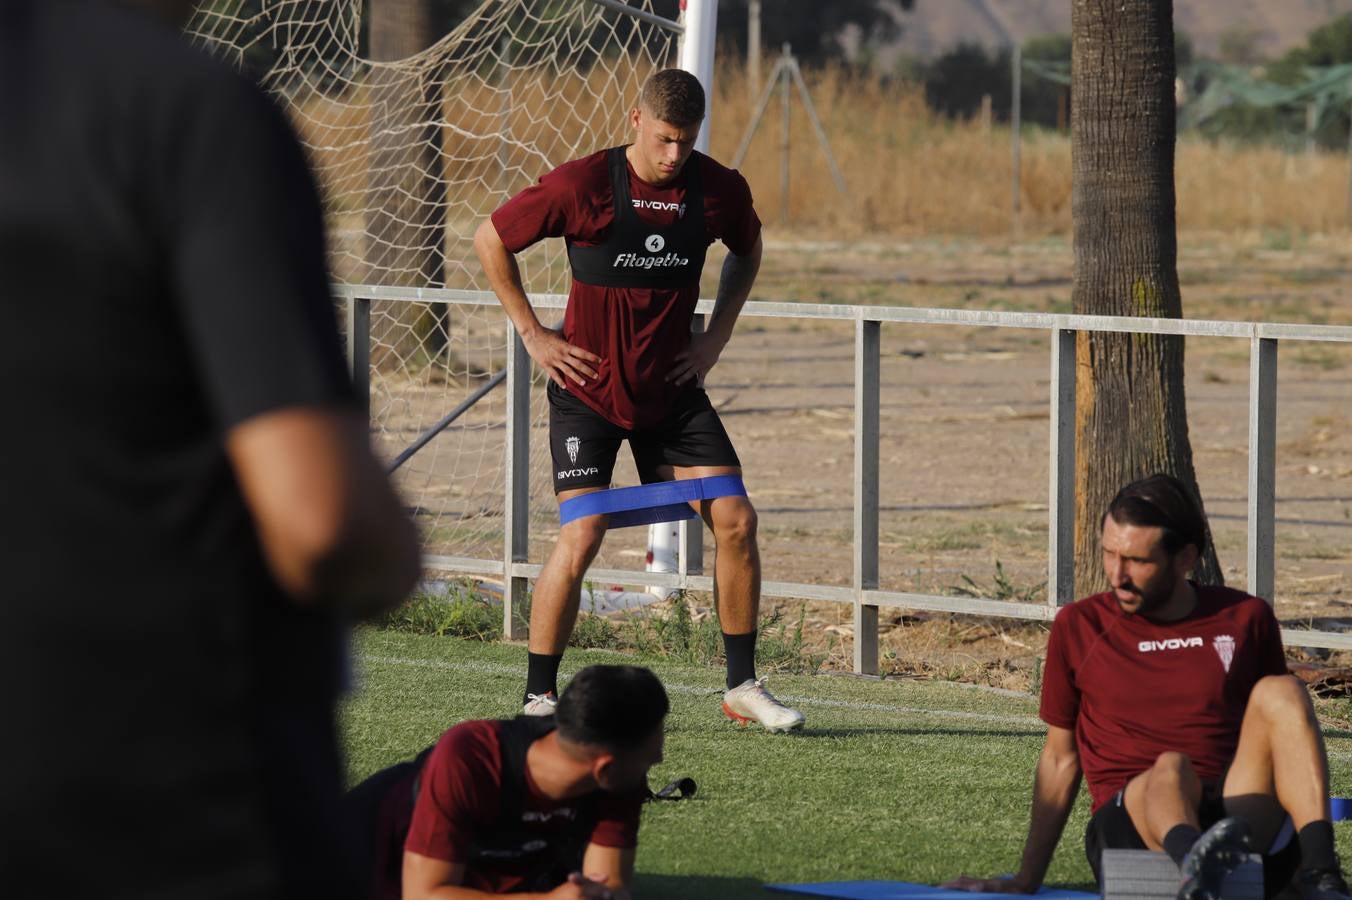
(1131, 415)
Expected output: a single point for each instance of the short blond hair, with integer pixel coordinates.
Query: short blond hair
(674, 96)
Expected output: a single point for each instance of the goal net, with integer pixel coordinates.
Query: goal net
(412, 149)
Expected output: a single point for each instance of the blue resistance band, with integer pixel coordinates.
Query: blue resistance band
(647, 504)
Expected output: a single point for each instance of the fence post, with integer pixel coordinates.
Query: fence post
(1015, 130)
(516, 484)
(753, 49)
(1262, 465)
(785, 104)
(359, 351)
(867, 367)
(1347, 213)
(1061, 472)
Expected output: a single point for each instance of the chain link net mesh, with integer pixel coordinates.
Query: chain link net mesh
(411, 155)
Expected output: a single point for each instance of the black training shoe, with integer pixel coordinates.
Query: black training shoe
(1217, 853)
(1322, 884)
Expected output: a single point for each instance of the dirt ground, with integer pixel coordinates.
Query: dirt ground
(964, 424)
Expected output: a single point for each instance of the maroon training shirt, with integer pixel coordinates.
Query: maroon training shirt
(459, 799)
(1132, 689)
(636, 332)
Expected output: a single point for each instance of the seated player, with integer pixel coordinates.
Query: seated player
(544, 804)
(1174, 700)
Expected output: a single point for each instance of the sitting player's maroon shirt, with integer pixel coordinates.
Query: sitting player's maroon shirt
(1132, 689)
(636, 332)
(458, 802)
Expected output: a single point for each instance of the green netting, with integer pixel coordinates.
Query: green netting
(1219, 87)
(1049, 69)
(1327, 88)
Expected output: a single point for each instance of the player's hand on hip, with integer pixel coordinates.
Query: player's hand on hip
(559, 358)
(1003, 885)
(695, 362)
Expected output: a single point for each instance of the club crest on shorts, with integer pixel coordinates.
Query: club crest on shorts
(1225, 649)
(655, 243)
(574, 443)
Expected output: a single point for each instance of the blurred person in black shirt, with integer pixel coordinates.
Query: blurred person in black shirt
(191, 509)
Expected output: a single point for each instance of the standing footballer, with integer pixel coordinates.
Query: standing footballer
(638, 220)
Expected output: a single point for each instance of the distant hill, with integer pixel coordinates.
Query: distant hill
(1268, 27)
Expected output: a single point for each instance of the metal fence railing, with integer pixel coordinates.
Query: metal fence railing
(863, 593)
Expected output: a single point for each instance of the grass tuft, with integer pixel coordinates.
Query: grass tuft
(457, 611)
(1002, 588)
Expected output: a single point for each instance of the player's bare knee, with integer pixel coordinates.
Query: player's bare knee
(1173, 767)
(736, 525)
(580, 539)
(1279, 697)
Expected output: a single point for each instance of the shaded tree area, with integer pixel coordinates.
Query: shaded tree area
(1328, 45)
(405, 224)
(955, 81)
(814, 30)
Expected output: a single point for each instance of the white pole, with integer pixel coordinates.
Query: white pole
(753, 49)
(700, 18)
(1015, 128)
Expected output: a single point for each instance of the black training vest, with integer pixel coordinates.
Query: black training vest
(513, 846)
(639, 254)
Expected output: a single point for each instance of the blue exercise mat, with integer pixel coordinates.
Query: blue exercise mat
(648, 504)
(905, 890)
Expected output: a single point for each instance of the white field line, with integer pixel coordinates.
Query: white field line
(696, 690)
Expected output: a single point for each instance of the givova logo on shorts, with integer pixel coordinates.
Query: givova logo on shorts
(573, 444)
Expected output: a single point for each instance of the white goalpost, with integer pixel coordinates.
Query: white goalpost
(411, 154)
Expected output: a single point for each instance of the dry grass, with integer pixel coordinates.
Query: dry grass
(912, 171)
(909, 170)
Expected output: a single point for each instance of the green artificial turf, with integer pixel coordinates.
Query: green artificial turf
(907, 780)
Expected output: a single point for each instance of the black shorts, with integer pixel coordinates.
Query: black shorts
(584, 444)
(1111, 829)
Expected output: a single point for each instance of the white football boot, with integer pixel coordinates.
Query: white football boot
(751, 702)
(540, 704)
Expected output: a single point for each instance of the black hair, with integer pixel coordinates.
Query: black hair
(615, 707)
(674, 96)
(1162, 501)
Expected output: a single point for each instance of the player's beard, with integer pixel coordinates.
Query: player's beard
(1152, 599)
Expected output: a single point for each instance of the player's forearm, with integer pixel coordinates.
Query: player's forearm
(328, 522)
(377, 563)
(504, 278)
(734, 287)
(1054, 789)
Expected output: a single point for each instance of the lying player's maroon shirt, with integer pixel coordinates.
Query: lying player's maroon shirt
(460, 810)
